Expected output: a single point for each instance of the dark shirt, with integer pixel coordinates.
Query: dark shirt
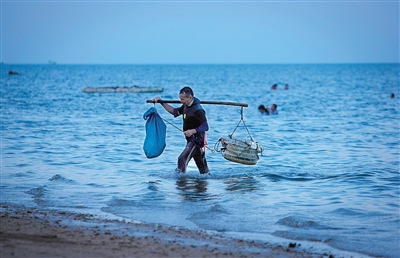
(194, 117)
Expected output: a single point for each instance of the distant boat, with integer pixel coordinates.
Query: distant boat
(12, 73)
(124, 89)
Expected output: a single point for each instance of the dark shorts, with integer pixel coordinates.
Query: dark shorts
(197, 153)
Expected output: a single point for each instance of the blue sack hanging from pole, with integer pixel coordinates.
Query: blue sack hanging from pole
(156, 130)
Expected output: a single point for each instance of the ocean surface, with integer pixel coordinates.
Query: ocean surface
(328, 176)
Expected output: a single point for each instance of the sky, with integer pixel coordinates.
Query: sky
(199, 32)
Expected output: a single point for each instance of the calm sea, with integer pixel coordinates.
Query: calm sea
(328, 177)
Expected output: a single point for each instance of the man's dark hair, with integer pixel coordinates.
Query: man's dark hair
(187, 91)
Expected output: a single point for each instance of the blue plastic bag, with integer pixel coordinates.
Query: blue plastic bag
(156, 130)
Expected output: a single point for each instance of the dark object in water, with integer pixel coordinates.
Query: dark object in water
(124, 89)
(12, 73)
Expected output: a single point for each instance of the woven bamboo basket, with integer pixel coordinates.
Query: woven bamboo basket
(239, 151)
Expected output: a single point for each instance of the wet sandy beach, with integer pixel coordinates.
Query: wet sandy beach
(38, 233)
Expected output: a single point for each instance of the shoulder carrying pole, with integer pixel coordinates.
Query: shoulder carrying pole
(202, 102)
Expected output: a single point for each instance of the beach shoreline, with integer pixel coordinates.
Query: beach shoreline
(29, 232)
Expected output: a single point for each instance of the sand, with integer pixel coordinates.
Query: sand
(27, 232)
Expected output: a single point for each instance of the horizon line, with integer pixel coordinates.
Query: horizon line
(244, 63)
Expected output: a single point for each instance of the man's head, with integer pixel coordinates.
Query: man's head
(186, 95)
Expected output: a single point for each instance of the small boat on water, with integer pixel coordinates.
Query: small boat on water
(122, 89)
(12, 73)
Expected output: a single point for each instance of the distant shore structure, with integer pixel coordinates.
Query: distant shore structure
(122, 89)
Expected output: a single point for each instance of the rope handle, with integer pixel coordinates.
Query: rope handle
(205, 144)
(241, 121)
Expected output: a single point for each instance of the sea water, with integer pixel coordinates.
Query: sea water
(328, 176)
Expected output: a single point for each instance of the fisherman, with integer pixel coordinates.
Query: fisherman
(194, 127)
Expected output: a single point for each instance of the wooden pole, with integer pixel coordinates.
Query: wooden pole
(228, 103)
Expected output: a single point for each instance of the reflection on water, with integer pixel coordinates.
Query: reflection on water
(193, 189)
(242, 184)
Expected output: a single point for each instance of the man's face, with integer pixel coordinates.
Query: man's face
(185, 100)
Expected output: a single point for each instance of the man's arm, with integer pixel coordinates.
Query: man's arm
(201, 118)
(167, 106)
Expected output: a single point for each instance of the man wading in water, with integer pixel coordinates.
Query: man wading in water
(194, 128)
